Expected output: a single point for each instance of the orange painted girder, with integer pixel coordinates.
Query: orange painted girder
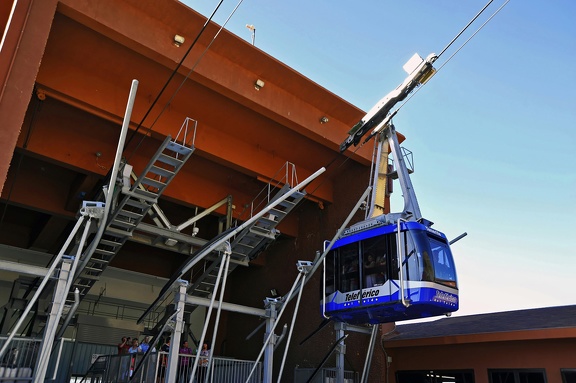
(20, 58)
(72, 137)
(231, 65)
(230, 68)
(244, 140)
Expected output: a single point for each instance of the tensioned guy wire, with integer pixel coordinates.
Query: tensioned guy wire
(463, 29)
(192, 68)
(459, 48)
(442, 66)
(171, 77)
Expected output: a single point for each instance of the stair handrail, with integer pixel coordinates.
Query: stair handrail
(184, 131)
(286, 175)
(225, 236)
(408, 159)
(112, 185)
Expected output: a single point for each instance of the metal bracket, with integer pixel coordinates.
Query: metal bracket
(304, 266)
(93, 209)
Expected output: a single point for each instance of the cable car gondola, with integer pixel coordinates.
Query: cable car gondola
(363, 282)
(390, 267)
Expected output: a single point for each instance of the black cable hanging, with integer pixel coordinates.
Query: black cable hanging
(192, 68)
(172, 76)
(392, 114)
(461, 46)
(330, 163)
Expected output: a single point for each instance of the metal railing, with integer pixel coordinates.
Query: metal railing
(408, 157)
(17, 364)
(183, 135)
(286, 175)
(122, 369)
(325, 375)
(227, 370)
(329, 376)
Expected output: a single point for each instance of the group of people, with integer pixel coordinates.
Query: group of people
(185, 363)
(373, 270)
(133, 346)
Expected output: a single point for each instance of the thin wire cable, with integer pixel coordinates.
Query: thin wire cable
(463, 29)
(172, 76)
(457, 50)
(189, 73)
(347, 157)
(473, 34)
(438, 70)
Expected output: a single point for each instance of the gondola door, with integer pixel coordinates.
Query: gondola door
(413, 254)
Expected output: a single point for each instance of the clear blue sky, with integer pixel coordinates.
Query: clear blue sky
(493, 133)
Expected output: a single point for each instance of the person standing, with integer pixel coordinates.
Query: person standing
(124, 360)
(184, 365)
(123, 346)
(163, 355)
(135, 348)
(203, 363)
(145, 345)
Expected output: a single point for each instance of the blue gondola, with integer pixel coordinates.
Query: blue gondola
(363, 281)
(394, 266)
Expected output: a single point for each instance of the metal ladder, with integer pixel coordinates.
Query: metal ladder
(135, 201)
(247, 244)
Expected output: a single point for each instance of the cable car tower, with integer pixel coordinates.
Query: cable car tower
(386, 268)
(390, 267)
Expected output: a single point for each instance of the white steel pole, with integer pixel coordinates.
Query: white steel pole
(340, 352)
(271, 345)
(303, 272)
(180, 301)
(271, 333)
(219, 309)
(113, 174)
(58, 302)
(205, 328)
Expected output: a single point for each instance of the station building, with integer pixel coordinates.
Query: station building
(253, 127)
(532, 345)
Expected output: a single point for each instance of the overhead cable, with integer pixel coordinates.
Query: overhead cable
(172, 76)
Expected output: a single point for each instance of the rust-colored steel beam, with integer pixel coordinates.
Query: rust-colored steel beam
(220, 91)
(72, 138)
(228, 133)
(20, 59)
(231, 66)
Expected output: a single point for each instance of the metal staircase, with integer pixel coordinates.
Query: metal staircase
(254, 239)
(247, 244)
(134, 202)
(22, 288)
